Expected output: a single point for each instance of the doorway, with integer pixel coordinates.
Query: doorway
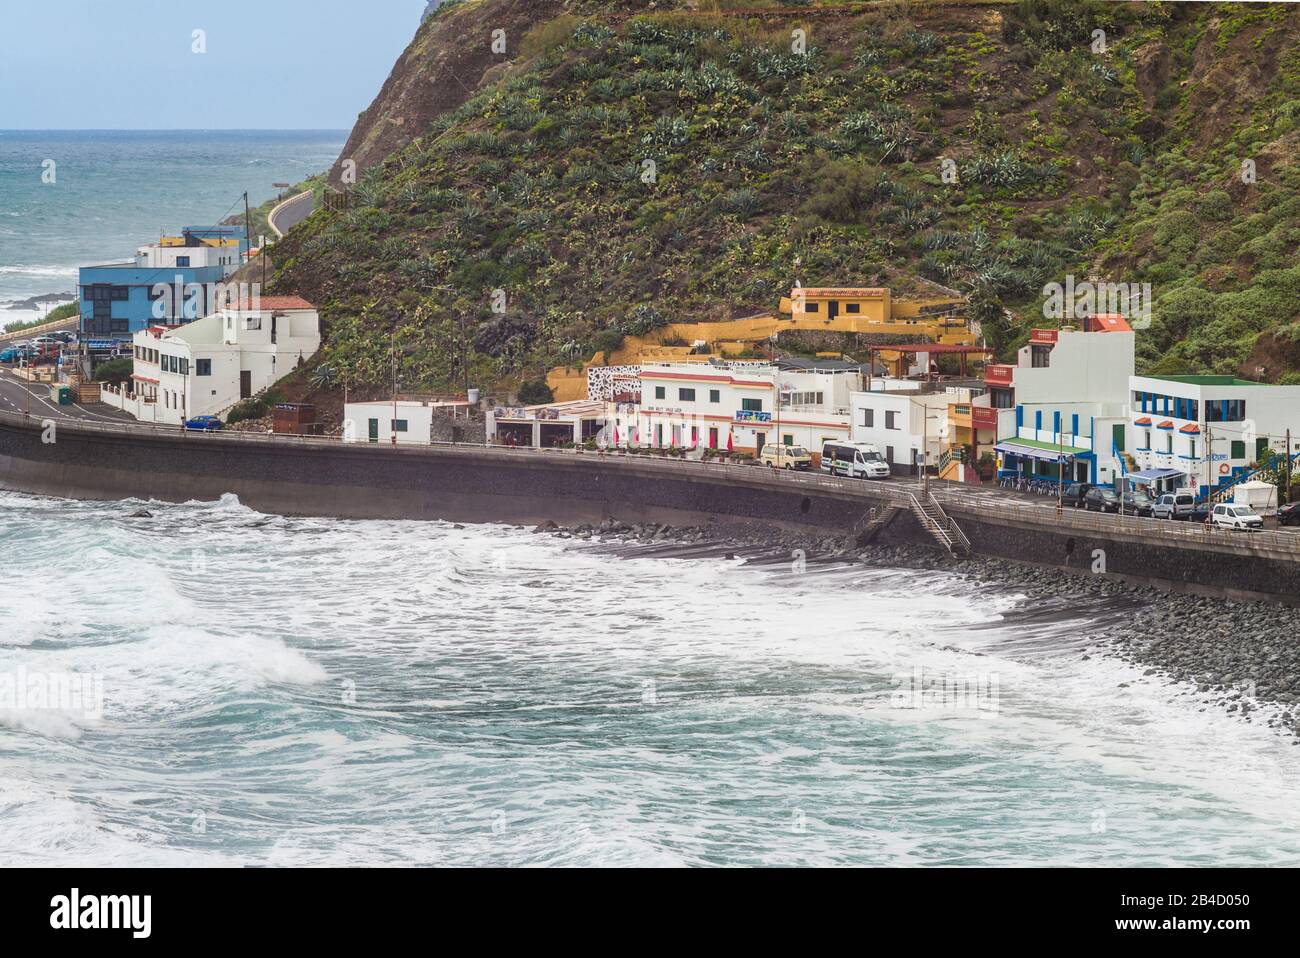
(760, 440)
(374, 430)
(245, 384)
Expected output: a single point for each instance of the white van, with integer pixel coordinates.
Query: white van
(858, 460)
(1230, 516)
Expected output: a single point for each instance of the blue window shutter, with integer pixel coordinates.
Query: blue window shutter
(1020, 418)
(1074, 424)
(1038, 420)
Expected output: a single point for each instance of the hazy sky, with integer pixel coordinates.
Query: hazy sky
(129, 64)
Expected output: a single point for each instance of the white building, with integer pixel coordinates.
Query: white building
(1206, 431)
(1064, 406)
(198, 256)
(549, 425)
(722, 405)
(402, 421)
(903, 423)
(205, 367)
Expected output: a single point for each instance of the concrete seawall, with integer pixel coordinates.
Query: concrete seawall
(475, 484)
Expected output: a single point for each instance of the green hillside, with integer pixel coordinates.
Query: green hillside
(619, 171)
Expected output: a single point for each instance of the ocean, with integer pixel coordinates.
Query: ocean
(288, 691)
(113, 191)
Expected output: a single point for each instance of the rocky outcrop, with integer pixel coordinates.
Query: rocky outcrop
(443, 66)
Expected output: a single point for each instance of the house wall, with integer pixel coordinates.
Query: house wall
(901, 444)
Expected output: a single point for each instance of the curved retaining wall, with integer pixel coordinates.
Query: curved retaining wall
(475, 484)
(362, 481)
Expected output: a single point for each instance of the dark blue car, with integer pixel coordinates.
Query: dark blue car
(203, 423)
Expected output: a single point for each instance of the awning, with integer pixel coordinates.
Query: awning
(1144, 421)
(1151, 475)
(1043, 452)
(1190, 428)
(1165, 425)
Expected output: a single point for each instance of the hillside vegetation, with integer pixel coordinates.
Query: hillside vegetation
(612, 172)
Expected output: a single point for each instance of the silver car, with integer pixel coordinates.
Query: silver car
(1174, 505)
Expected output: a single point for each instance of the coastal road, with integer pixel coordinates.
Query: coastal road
(68, 325)
(291, 212)
(19, 396)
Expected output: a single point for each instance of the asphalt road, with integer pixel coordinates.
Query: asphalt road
(17, 395)
(291, 212)
(71, 326)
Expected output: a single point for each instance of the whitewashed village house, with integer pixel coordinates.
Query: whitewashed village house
(205, 367)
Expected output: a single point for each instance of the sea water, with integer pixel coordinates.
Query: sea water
(108, 192)
(315, 691)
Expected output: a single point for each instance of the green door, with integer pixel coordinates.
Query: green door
(374, 430)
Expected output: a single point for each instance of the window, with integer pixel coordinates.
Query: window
(1191, 448)
(399, 425)
(252, 322)
(182, 261)
(868, 417)
(119, 326)
(120, 293)
(810, 307)
(686, 395)
(806, 399)
(185, 367)
(715, 395)
(203, 367)
(890, 419)
(1238, 449)
(852, 307)
(1040, 357)
(659, 392)
(751, 405)
(1169, 444)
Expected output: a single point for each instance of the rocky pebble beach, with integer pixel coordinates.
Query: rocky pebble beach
(1241, 656)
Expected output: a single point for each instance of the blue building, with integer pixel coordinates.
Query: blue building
(167, 283)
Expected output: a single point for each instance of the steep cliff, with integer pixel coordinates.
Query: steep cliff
(607, 172)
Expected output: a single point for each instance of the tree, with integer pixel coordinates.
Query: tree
(534, 392)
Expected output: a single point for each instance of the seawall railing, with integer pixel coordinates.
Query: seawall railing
(953, 500)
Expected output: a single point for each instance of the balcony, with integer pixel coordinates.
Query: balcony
(998, 374)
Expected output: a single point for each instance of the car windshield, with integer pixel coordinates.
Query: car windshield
(796, 451)
(1107, 494)
(1245, 511)
(870, 456)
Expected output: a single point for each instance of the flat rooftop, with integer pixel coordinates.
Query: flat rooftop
(1207, 380)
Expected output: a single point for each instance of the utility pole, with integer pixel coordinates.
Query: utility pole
(1287, 490)
(248, 223)
(393, 425)
(1209, 460)
(1060, 469)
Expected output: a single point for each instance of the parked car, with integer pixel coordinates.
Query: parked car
(1174, 505)
(11, 355)
(1138, 502)
(1074, 493)
(1289, 514)
(785, 457)
(1227, 515)
(1098, 499)
(204, 423)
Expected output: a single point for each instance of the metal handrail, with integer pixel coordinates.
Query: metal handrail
(1114, 524)
(949, 499)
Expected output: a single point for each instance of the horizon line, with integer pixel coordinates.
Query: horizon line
(143, 129)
